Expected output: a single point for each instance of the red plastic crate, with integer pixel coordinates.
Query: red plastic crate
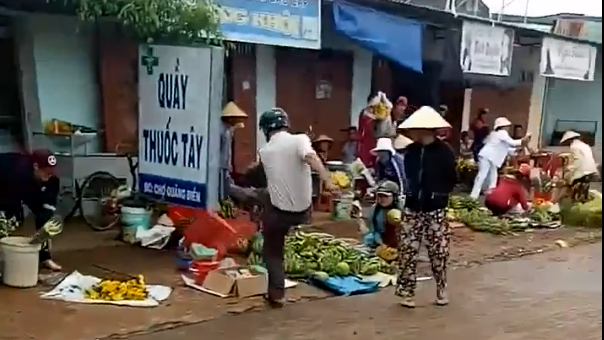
(201, 269)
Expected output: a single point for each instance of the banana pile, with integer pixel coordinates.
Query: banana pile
(118, 290)
(386, 253)
(466, 166)
(341, 179)
(463, 202)
(381, 111)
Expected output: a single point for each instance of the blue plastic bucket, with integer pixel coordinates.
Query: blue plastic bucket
(134, 219)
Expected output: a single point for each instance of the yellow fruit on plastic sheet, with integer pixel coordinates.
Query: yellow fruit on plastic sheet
(118, 290)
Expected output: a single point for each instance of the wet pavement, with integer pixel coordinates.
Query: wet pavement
(553, 296)
(25, 316)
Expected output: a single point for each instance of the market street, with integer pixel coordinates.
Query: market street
(552, 296)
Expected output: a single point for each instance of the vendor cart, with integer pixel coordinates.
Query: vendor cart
(87, 178)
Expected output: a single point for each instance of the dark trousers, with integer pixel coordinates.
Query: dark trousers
(16, 211)
(276, 225)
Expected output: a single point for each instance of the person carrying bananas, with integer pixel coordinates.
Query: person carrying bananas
(384, 218)
(287, 160)
(30, 180)
(374, 122)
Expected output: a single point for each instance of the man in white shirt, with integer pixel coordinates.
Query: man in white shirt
(582, 169)
(287, 160)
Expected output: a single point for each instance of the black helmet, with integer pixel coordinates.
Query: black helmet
(273, 119)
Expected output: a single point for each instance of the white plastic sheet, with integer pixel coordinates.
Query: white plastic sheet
(72, 289)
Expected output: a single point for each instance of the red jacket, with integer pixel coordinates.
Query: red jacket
(367, 140)
(508, 193)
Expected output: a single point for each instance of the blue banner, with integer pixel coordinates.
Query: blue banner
(176, 191)
(291, 23)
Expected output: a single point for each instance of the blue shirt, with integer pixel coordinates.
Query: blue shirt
(393, 170)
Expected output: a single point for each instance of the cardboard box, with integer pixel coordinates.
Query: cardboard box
(236, 281)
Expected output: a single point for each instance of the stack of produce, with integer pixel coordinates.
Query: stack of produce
(386, 253)
(341, 179)
(308, 254)
(587, 214)
(381, 111)
(470, 212)
(132, 289)
(461, 203)
(466, 170)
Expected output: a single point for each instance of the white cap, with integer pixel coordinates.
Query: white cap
(569, 135)
(425, 118)
(401, 142)
(501, 122)
(383, 144)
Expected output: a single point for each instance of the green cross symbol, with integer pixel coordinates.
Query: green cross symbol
(149, 60)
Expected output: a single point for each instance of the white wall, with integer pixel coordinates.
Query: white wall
(266, 85)
(65, 71)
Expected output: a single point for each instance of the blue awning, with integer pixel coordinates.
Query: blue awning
(392, 37)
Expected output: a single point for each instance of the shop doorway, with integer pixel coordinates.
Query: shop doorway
(427, 89)
(11, 122)
(315, 88)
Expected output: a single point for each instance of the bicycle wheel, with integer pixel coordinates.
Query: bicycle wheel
(95, 194)
(68, 204)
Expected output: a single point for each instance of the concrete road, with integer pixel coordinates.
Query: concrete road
(556, 296)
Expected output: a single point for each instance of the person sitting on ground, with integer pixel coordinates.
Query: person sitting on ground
(509, 196)
(384, 217)
(582, 168)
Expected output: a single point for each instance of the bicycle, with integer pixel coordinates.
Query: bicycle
(96, 198)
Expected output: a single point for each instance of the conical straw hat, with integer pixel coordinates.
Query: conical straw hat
(401, 142)
(231, 110)
(569, 135)
(425, 118)
(323, 138)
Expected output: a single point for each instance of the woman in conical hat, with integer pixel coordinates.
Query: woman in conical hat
(232, 118)
(430, 172)
(582, 168)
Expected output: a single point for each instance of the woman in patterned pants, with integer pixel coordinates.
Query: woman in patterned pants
(431, 177)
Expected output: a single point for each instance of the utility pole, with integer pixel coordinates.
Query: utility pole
(526, 10)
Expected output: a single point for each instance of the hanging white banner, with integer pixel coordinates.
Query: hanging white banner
(568, 60)
(486, 49)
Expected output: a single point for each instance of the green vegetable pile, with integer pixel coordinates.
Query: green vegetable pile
(470, 212)
(587, 214)
(315, 255)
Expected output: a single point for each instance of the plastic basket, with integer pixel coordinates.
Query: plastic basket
(201, 269)
(181, 216)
